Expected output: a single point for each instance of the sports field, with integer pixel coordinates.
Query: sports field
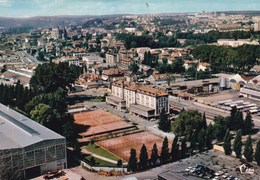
(121, 146)
(99, 121)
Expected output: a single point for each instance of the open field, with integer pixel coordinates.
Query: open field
(121, 145)
(99, 121)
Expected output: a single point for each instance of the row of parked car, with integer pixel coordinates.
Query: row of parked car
(206, 173)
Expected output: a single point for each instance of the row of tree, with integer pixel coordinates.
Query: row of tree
(234, 122)
(178, 151)
(193, 126)
(15, 96)
(237, 147)
(133, 41)
(45, 101)
(225, 58)
(213, 36)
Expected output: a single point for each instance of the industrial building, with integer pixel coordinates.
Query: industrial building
(28, 149)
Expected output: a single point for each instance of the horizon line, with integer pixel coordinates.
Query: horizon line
(64, 15)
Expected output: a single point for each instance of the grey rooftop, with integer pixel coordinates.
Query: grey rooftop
(19, 131)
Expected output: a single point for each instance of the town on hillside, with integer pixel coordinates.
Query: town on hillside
(149, 96)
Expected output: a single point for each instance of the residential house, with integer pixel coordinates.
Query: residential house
(109, 74)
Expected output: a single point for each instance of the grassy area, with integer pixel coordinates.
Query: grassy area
(100, 162)
(100, 151)
(97, 100)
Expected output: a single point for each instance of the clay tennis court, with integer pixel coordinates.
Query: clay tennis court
(121, 146)
(99, 121)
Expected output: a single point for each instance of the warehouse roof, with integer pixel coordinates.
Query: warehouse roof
(18, 131)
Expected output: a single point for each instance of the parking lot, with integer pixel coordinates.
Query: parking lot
(221, 164)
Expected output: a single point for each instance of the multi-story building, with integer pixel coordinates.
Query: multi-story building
(55, 33)
(71, 60)
(28, 149)
(256, 23)
(112, 58)
(142, 100)
(125, 62)
(92, 59)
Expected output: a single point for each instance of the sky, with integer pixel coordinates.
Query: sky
(29, 8)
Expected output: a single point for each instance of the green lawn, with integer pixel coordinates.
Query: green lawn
(97, 100)
(100, 162)
(101, 152)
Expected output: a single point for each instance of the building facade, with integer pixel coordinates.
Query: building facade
(28, 149)
(142, 100)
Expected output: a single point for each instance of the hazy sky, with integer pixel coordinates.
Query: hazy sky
(26, 8)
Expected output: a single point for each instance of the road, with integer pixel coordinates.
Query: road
(27, 58)
(211, 113)
(186, 104)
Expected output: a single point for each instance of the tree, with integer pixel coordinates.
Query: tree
(69, 130)
(165, 155)
(248, 151)
(56, 100)
(188, 123)
(232, 118)
(49, 77)
(44, 115)
(92, 161)
(143, 157)
(227, 143)
(257, 153)
(209, 136)
(169, 79)
(237, 146)
(133, 67)
(193, 141)
(201, 140)
(177, 66)
(154, 155)
(119, 163)
(219, 127)
(248, 124)
(132, 162)
(175, 151)
(239, 124)
(183, 147)
(164, 124)
(204, 121)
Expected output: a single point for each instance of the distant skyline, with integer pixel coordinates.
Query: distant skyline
(29, 8)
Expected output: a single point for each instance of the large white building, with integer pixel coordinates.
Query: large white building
(142, 100)
(236, 43)
(28, 149)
